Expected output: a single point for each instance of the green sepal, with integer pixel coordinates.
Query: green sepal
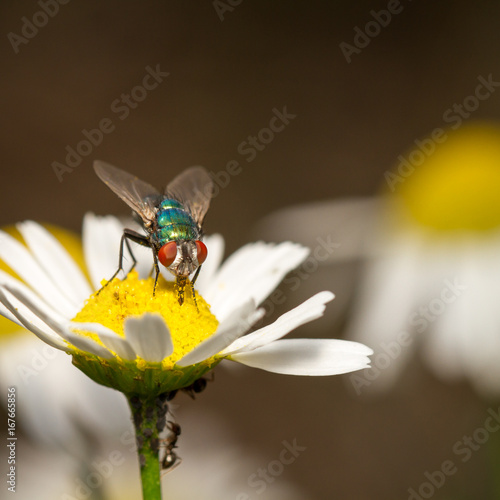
(150, 381)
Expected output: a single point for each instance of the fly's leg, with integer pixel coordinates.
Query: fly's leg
(138, 238)
(127, 235)
(194, 296)
(157, 270)
(195, 277)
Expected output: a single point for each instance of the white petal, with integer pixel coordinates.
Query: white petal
(101, 246)
(307, 357)
(215, 247)
(85, 343)
(22, 262)
(143, 255)
(119, 345)
(449, 345)
(464, 337)
(389, 297)
(29, 364)
(309, 310)
(52, 332)
(253, 271)
(15, 285)
(101, 243)
(149, 336)
(235, 325)
(109, 338)
(27, 318)
(5, 312)
(56, 262)
(37, 308)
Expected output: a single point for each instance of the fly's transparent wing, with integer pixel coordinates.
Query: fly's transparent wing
(138, 195)
(193, 188)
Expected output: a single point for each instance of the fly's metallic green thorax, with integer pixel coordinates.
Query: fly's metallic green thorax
(174, 223)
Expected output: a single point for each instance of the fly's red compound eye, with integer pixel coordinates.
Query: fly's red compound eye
(167, 253)
(201, 251)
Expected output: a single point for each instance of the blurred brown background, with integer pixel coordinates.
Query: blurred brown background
(352, 121)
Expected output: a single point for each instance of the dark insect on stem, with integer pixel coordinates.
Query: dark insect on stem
(170, 458)
(197, 386)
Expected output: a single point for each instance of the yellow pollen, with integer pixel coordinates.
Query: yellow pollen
(120, 300)
(457, 186)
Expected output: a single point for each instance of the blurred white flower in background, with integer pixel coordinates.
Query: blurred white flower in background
(57, 405)
(430, 249)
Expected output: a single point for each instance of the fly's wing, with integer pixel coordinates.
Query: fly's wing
(138, 195)
(193, 188)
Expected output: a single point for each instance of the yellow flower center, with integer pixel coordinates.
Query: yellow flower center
(120, 300)
(457, 186)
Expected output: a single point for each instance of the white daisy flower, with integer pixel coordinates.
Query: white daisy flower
(431, 247)
(54, 290)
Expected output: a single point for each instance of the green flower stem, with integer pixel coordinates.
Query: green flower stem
(150, 475)
(149, 416)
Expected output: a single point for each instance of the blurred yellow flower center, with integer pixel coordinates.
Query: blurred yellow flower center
(457, 186)
(120, 300)
(71, 243)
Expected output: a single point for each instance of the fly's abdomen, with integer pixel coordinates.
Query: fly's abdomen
(174, 223)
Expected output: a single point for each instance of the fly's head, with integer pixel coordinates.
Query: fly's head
(182, 258)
